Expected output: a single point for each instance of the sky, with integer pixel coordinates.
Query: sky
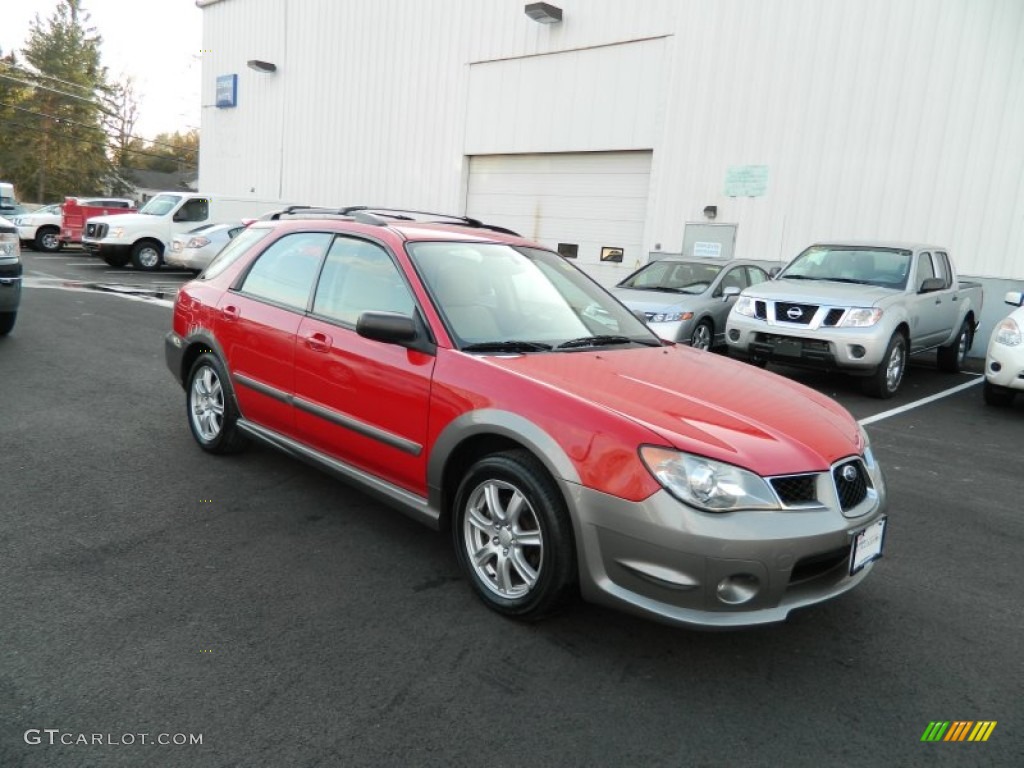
(156, 42)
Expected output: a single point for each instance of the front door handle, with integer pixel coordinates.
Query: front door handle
(230, 312)
(319, 342)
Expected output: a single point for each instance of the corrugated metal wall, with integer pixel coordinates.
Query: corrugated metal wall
(876, 118)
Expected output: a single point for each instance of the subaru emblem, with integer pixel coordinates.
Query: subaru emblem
(794, 313)
(849, 473)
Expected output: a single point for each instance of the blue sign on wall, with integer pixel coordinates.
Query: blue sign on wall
(227, 91)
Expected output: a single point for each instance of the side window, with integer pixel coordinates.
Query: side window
(755, 275)
(924, 269)
(942, 268)
(359, 277)
(734, 278)
(196, 209)
(284, 273)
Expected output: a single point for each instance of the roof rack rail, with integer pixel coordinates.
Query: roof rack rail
(397, 213)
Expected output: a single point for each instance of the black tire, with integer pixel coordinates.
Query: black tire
(7, 322)
(47, 240)
(951, 359)
(886, 380)
(999, 397)
(540, 576)
(116, 260)
(703, 335)
(207, 391)
(147, 255)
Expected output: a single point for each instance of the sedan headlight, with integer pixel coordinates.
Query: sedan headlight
(862, 317)
(198, 242)
(744, 306)
(670, 317)
(712, 486)
(1008, 333)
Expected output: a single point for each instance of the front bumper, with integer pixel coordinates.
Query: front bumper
(662, 559)
(1004, 366)
(853, 349)
(678, 330)
(10, 285)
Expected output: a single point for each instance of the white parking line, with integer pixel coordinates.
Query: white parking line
(923, 401)
(85, 264)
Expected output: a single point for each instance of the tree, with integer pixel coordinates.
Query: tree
(167, 152)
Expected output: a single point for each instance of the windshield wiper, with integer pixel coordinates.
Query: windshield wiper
(847, 280)
(601, 340)
(513, 345)
(796, 277)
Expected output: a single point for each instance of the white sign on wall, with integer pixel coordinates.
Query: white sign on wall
(707, 250)
(746, 181)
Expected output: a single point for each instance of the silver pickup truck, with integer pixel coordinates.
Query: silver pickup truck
(862, 308)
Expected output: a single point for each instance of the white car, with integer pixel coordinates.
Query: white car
(196, 248)
(1004, 363)
(40, 228)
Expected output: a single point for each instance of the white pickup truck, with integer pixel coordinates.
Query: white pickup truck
(862, 308)
(143, 237)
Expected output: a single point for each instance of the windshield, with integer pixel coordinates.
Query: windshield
(884, 267)
(673, 276)
(160, 205)
(493, 296)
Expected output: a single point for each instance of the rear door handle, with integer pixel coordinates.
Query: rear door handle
(319, 342)
(230, 312)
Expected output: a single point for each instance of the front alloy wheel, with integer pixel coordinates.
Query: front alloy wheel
(512, 536)
(701, 336)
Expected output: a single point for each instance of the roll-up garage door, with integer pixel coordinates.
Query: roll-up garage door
(591, 204)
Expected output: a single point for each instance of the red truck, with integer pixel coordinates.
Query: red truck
(76, 211)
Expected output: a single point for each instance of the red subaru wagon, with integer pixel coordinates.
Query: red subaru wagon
(484, 385)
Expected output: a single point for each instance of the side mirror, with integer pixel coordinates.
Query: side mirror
(931, 284)
(389, 327)
(1014, 298)
(730, 293)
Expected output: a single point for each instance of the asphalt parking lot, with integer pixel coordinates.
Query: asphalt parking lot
(146, 587)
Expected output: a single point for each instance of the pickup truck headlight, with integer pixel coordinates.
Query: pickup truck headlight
(712, 486)
(1008, 333)
(861, 317)
(9, 246)
(744, 306)
(117, 232)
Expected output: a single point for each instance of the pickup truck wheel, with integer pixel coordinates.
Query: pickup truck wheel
(512, 536)
(952, 358)
(47, 240)
(886, 379)
(997, 396)
(7, 322)
(117, 260)
(702, 335)
(212, 414)
(147, 255)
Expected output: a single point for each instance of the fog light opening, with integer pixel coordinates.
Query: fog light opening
(857, 351)
(738, 589)
(995, 367)
(734, 335)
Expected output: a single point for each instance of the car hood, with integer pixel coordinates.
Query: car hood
(654, 301)
(705, 404)
(821, 292)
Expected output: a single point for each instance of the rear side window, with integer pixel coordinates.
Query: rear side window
(358, 277)
(756, 276)
(284, 273)
(237, 247)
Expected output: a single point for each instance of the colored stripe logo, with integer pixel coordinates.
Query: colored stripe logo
(958, 730)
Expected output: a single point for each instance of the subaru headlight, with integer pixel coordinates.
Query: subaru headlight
(117, 232)
(1008, 333)
(744, 306)
(670, 317)
(862, 317)
(712, 486)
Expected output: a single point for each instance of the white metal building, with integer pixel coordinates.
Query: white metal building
(617, 129)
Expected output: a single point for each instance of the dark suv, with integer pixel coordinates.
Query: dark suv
(10, 276)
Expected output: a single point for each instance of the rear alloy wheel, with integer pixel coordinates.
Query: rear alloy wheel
(147, 255)
(47, 240)
(702, 335)
(512, 536)
(212, 414)
(886, 379)
(7, 322)
(997, 396)
(951, 359)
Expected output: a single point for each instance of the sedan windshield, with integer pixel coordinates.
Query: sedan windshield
(499, 298)
(673, 276)
(884, 267)
(160, 205)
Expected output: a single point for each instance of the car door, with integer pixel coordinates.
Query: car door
(361, 401)
(929, 311)
(257, 323)
(733, 277)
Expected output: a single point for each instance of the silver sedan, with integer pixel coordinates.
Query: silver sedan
(196, 248)
(688, 300)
